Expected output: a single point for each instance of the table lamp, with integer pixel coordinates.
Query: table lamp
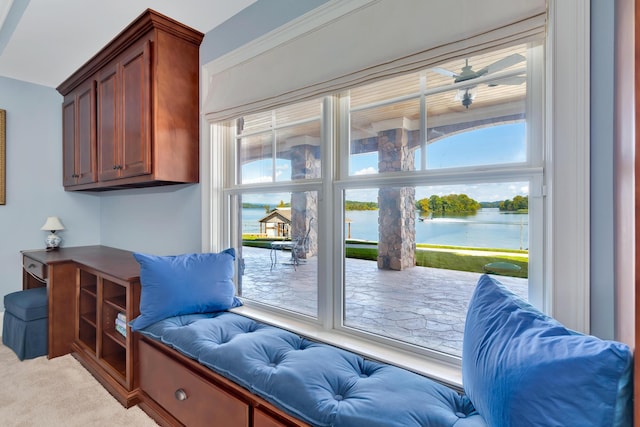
(52, 224)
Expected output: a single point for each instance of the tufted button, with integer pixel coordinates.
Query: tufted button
(338, 397)
(364, 376)
(461, 415)
(272, 364)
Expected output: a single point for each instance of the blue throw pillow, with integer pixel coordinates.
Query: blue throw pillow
(523, 368)
(184, 284)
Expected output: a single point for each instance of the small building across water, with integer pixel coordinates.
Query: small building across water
(276, 223)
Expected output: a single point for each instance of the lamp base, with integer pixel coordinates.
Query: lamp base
(52, 241)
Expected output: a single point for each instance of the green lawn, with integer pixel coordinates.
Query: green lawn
(435, 256)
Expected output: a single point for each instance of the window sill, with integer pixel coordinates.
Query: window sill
(441, 371)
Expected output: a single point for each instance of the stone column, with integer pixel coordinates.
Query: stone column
(305, 163)
(396, 214)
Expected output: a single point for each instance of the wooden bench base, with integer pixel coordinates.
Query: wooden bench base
(176, 390)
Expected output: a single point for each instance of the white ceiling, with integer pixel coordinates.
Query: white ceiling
(53, 38)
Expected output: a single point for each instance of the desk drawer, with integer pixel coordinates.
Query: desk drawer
(203, 404)
(35, 268)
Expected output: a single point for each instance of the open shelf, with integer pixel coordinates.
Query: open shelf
(114, 354)
(90, 290)
(88, 281)
(117, 337)
(103, 303)
(87, 333)
(89, 319)
(87, 325)
(118, 302)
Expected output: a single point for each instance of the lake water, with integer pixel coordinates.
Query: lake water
(489, 228)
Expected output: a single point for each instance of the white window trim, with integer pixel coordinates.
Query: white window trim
(567, 176)
(566, 186)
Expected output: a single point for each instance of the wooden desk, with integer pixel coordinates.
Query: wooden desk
(58, 270)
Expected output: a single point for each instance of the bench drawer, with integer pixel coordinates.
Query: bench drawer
(189, 398)
(262, 419)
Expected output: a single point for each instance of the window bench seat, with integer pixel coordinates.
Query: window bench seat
(314, 382)
(226, 369)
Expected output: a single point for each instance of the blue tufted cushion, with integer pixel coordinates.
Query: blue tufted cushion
(317, 383)
(183, 284)
(27, 305)
(523, 368)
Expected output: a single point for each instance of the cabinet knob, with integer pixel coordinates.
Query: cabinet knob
(180, 394)
(115, 167)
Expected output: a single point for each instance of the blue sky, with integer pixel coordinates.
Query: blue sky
(485, 146)
(490, 145)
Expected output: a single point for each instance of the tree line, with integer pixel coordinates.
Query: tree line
(452, 204)
(351, 205)
(455, 204)
(518, 203)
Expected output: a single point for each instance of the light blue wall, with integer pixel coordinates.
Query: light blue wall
(161, 221)
(251, 23)
(34, 180)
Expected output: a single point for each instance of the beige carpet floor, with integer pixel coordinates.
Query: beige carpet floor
(58, 392)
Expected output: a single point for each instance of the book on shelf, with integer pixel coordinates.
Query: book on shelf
(121, 330)
(121, 324)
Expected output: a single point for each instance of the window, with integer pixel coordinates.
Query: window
(375, 210)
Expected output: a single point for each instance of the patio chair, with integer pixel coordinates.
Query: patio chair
(300, 245)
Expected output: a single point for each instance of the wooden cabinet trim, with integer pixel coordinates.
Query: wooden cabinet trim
(147, 121)
(145, 22)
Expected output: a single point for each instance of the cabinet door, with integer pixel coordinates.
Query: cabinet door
(85, 150)
(135, 69)
(78, 136)
(69, 141)
(107, 130)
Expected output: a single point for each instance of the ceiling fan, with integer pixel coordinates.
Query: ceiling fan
(467, 94)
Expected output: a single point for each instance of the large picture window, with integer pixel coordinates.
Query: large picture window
(374, 211)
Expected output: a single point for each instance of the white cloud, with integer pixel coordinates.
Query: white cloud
(256, 180)
(366, 171)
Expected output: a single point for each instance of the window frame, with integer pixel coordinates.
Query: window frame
(567, 171)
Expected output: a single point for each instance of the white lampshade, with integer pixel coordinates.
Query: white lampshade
(52, 224)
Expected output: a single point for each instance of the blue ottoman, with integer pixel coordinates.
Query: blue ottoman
(24, 327)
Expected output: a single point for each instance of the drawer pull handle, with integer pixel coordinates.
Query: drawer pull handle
(31, 266)
(180, 394)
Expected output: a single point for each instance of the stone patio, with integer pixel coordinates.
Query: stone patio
(420, 305)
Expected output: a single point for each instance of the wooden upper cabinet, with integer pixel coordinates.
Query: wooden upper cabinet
(79, 137)
(124, 134)
(145, 103)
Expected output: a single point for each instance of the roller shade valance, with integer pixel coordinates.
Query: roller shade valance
(377, 39)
